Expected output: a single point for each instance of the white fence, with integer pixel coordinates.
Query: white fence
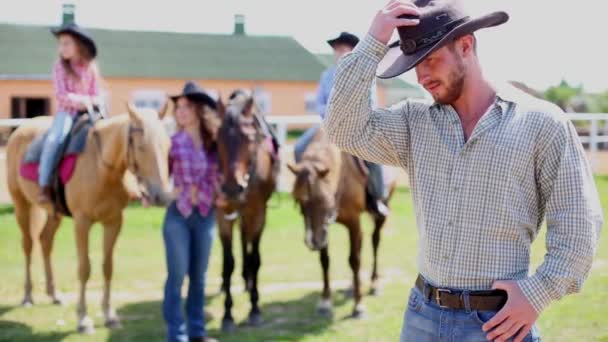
(282, 122)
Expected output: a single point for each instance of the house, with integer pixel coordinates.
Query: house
(146, 66)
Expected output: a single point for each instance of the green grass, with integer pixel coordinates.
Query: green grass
(290, 281)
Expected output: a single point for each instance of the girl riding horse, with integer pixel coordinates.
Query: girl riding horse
(76, 81)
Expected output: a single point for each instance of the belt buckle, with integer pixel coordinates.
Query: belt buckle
(438, 293)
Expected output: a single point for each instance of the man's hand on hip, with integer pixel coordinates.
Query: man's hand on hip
(515, 319)
(387, 19)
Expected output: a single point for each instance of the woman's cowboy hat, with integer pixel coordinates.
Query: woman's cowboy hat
(194, 92)
(80, 33)
(441, 21)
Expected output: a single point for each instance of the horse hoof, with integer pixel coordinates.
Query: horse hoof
(113, 324)
(58, 301)
(255, 319)
(228, 326)
(86, 326)
(86, 329)
(324, 308)
(27, 303)
(359, 312)
(375, 292)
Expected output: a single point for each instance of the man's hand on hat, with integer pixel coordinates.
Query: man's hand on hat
(387, 19)
(515, 319)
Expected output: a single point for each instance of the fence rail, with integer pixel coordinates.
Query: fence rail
(282, 123)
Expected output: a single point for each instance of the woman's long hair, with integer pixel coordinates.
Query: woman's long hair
(207, 119)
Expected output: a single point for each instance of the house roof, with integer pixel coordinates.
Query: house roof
(29, 51)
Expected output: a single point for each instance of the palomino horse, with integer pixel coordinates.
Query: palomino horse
(249, 171)
(97, 192)
(330, 187)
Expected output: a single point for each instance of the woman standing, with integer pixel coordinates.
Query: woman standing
(76, 82)
(188, 227)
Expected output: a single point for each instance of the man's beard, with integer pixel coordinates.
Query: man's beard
(453, 85)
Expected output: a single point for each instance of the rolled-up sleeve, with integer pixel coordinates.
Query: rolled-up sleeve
(573, 215)
(377, 135)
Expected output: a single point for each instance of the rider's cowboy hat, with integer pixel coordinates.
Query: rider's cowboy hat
(441, 21)
(80, 33)
(344, 38)
(196, 93)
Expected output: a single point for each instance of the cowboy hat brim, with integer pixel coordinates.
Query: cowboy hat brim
(197, 97)
(82, 36)
(396, 63)
(348, 39)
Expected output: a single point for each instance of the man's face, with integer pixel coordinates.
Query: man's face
(442, 74)
(341, 49)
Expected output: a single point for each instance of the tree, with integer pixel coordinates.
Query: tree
(562, 94)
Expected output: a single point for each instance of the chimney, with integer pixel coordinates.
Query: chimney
(68, 14)
(239, 25)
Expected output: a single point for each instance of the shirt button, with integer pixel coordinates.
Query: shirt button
(446, 257)
(455, 188)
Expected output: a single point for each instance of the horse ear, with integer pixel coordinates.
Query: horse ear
(248, 108)
(294, 168)
(133, 112)
(163, 111)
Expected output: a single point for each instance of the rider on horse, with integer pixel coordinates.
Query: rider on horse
(76, 81)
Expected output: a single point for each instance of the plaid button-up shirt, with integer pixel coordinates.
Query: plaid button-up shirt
(191, 166)
(479, 203)
(64, 84)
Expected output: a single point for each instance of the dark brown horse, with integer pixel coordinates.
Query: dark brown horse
(331, 187)
(249, 174)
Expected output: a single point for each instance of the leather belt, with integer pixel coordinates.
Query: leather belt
(491, 300)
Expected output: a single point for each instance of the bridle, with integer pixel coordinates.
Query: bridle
(130, 151)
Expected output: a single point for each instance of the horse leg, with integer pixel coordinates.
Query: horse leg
(354, 229)
(325, 307)
(379, 221)
(22, 214)
(47, 239)
(82, 227)
(246, 259)
(255, 262)
(110, 234)
(228, 267)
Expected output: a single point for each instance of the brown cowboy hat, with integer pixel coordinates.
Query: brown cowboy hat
(195, 93)
(81, 34)
(441, 21)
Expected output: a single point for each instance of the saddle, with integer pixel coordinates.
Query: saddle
(63, 166)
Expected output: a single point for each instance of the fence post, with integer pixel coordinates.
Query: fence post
(282, 133)
(593, 144)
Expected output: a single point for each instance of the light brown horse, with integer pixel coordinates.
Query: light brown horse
(97, 192)
(249, 175)
(331, 187)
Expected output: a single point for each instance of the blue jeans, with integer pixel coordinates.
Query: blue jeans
(425, 321)
(62, 123)
(303, 142)
(187, 245)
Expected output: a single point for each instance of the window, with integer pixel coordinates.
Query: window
(29, 107)
(149, 98)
